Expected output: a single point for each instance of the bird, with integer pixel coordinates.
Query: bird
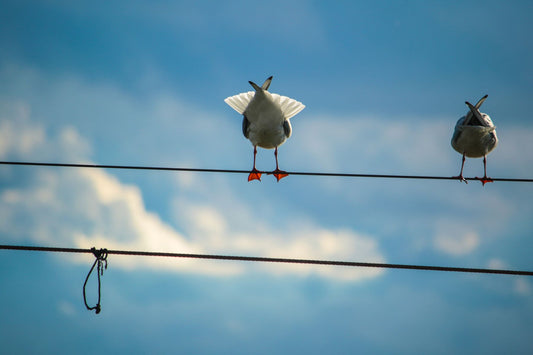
(265, 120)
(475, 137)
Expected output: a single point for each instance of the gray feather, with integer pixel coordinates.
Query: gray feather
(287, 128)
(245, 124)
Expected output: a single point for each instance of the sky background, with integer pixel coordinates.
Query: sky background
(143, 83)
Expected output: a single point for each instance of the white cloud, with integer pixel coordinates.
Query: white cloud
(157, 127)
(16, 136)
(496, 263)
(512, 157)
(519, 285)
(21, 137)
(449, 216)
(216, 215)
(66, 308)
(88, 207)
(296, 240)
(372, 144)
(456, 240)
(523, 287)
(401, 146)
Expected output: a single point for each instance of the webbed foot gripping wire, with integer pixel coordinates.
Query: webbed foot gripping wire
(101, 260)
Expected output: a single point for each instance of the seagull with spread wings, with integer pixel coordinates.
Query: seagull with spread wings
(266, 120)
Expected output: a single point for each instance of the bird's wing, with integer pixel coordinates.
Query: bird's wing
(480, 102)
(289, 107)
(487, 122)
(460, 122)
(460, 127)
(482, 119)
(240, 102)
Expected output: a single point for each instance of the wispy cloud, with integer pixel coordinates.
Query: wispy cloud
(456, 244)
(66, 308)
(221, 214)
(363, 143)
(86, 208)
(417, 145)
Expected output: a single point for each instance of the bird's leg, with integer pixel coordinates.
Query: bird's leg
(279, 174)
(485, 179)
(460, 177)
(254, 174)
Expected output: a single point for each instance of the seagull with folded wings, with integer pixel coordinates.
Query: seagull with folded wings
(266, 120)
(475, 137)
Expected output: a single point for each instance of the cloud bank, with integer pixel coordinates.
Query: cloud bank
(86, 207)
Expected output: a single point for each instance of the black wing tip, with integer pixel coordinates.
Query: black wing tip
(267, 82)
(483, 98)
(481, 101)
(471, 107)
(265, 85)
(254, 85)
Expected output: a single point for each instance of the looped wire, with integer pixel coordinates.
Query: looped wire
(101, 261)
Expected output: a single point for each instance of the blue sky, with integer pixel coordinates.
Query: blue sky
(143, 83)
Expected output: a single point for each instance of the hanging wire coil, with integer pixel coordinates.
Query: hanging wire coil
(101, 261)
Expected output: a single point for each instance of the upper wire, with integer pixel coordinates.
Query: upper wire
(234, 171)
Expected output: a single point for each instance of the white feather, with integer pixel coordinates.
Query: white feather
(240, 102)
(289, 107)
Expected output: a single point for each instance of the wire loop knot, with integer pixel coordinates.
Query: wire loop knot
(101, 261)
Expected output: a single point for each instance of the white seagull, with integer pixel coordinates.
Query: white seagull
(266, 120)
(475, 137)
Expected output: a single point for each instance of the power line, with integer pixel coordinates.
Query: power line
(274, 260)
(233, 171)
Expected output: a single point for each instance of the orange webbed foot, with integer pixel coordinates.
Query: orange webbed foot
(279, 174)
(254, 175)
(485, 180)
